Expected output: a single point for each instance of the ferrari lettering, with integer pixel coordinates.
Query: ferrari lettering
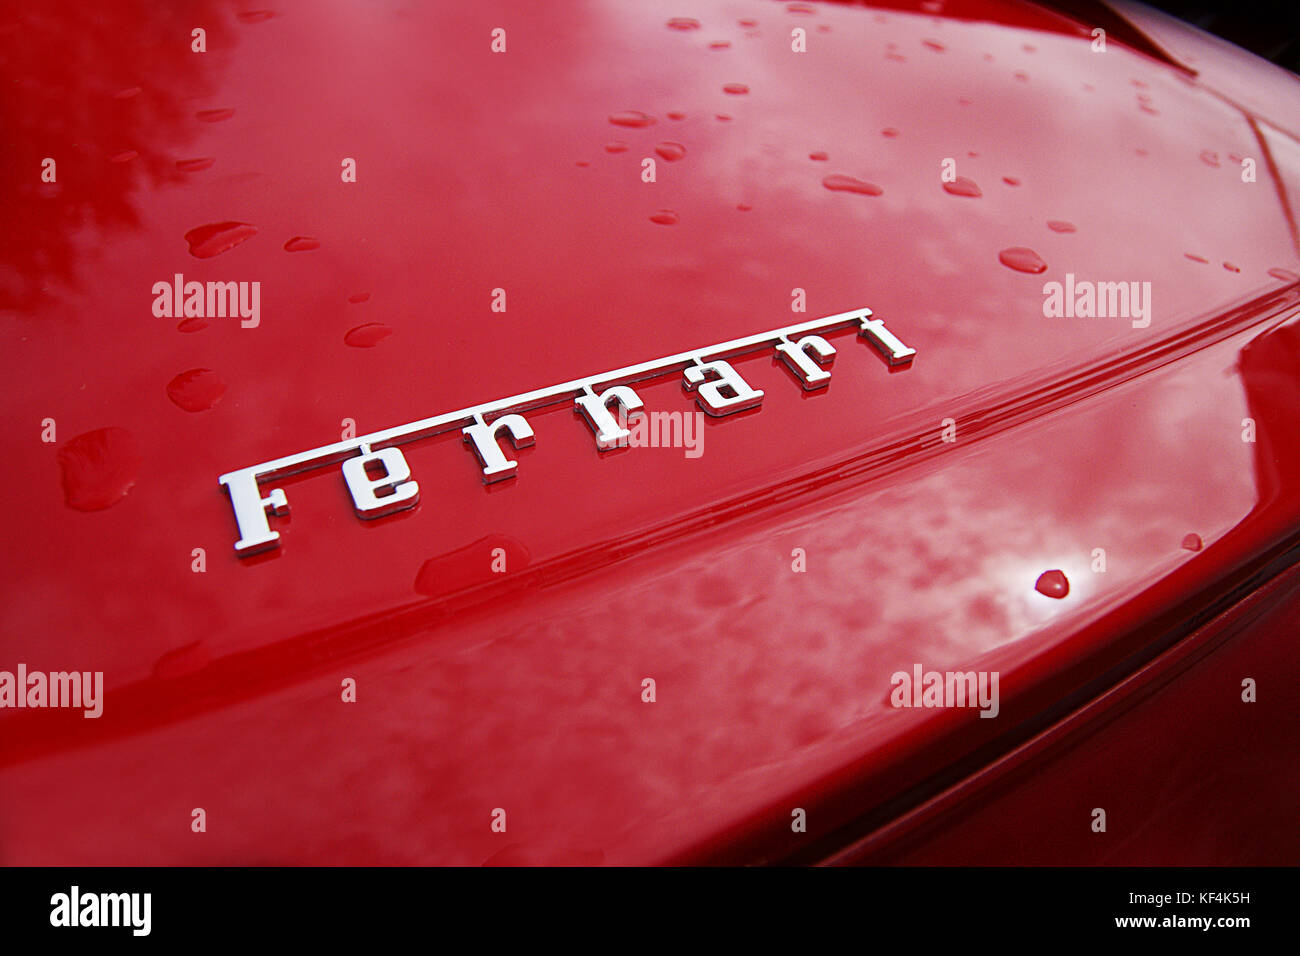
(379, 479)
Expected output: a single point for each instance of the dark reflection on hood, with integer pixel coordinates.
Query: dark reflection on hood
(107, 92)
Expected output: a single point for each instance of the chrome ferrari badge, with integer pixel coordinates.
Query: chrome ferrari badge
(378, 476)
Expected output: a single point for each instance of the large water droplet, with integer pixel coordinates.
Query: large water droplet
(194, 165)
(683, 23)
(847, 184)
(196, 390)
(632, 118)
(1054, 584)
(1192, 542)
(671, 151)
(1022, 259)
(214, 116)
(736, 89)
(1061, 225)
(217, 237)
(665, 217)
(301, 244)
(961, 186)
(98, 468)
(367, 336)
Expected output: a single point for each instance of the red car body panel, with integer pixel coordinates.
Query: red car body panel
(479, 171)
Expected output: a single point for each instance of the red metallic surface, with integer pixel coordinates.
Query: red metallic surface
(522, 691)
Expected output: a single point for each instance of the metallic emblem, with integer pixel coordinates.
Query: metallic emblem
(718, 388)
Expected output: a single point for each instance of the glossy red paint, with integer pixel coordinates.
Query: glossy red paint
(522, 691)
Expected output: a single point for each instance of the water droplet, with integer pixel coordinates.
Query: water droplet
(961, 186)
(677, 115)
(1210, 158)
(1022, 259)
(127, 93)
(194, 323)
(301, 244)
(98, 468)
(582, 163)
(196, 390)
(934, 45)
(818, 156)
(1231, 268)
(1054, 584)
(889, 132)
(194, 165)
(1192, 542)
(1234, 158)
(1284, 274)
(1139, 151)
(616, 147)
(972, 154)
(847, 184)
(683, 23)
(125, 156)
(214, 116)
(1061, 225)
(1011, 180)
(736, 89)
(723, 118)
(358, 297)
(744, 207)
(1029, 48)
(1201, 259)
(964, 101)
(896, 57)
(748, 23)
(1021, 75)
(632, 118)
(671, 152)
(1148, 108)
(720, 45)
(801, 8)
(256, 16)
(367, 336)
(217, 237)
(665, 217)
